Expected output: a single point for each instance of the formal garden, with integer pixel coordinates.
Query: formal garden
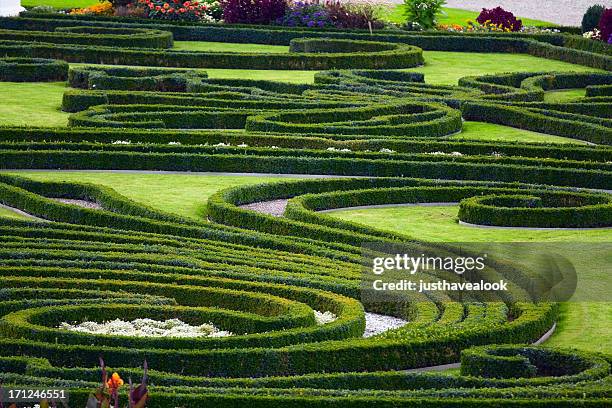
(188, 189)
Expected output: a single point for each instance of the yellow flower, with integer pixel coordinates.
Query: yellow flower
(115, 381)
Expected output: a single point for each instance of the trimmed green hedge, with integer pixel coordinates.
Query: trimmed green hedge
(32, 70)
(544, 210)
(392, 56)
(88, 36)
(146, 79)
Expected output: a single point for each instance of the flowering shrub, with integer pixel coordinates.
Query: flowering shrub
(306, 15)
(107, 395)
(147, 327)
(595, 34)
(423, 12)
(253, 11)
(177, 10)
(605, 26)
(500, 18)
(361, 15)
(104, 8)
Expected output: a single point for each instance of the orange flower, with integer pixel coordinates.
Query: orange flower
(114, 382)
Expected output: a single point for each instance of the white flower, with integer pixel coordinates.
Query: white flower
(243, 145)
(324, 317)
(121, 142)
(222, 144)
(174, 143)
(385, 150)
(147, 328)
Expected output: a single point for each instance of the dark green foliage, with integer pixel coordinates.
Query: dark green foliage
(590, 20)
(32, 70)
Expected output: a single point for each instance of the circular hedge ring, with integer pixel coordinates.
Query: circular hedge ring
(542, 210)
(409, 119)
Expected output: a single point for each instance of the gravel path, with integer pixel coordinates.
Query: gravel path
(377, 323)
(564, 12)
(79, 203)
(275, 208)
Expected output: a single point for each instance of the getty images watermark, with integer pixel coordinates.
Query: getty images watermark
(423, 264)
(485, 272)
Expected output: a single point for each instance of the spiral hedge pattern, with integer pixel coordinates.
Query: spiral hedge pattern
(262, 277)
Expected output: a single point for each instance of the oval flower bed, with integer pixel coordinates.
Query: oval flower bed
(147, 328)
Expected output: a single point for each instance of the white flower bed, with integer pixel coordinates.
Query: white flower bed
(324, 317)
(147, 328)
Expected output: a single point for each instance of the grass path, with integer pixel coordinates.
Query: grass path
(5, 212)
(32, 104)
(584, 325)
(490, 131)
(452, 16)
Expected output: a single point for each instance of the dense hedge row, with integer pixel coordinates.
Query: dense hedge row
(548, 210)
(87, 36)
(32, 70)
(314, 56)
(147, 79)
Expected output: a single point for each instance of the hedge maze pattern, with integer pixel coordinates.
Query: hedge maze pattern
(262, 276)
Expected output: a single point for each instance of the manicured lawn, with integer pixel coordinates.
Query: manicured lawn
(4, 212)
(59, 4)
(583, 325)
(185, 195)
(452, 16)
(446, 68)
(564, 95)
(228, 47)
(490, 131)
(32, 104)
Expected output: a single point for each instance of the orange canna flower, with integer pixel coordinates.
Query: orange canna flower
(115, 381)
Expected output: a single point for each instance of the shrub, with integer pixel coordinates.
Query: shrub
(176, 10)
(605, 25)
(253, 11)
(501, 18)
(353, 15)
(423, 12)
(591, 18)
(307, 15)
(104, 8)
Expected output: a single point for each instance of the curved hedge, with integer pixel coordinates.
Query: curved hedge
(32, 70)
(547, 210)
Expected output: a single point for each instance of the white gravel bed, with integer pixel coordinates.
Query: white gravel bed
(79, 203)
(275, 208)
(377, 323)
(564, 12)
